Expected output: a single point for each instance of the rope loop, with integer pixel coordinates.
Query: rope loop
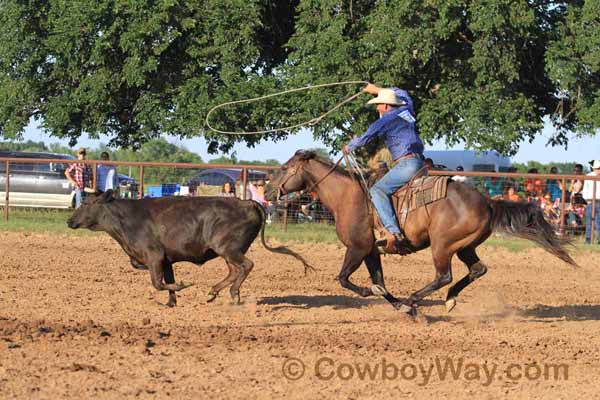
(311, 122)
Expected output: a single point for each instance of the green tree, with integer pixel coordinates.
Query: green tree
(563, 168)
(485, 73)
(159, 150)
(129, 69)
(573, 61)
(267, 162)
(224, 160)
(24, 146)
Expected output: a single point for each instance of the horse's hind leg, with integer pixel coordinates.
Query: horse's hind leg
(443, 277)
(476, 270)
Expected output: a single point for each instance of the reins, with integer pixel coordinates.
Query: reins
(310, 122)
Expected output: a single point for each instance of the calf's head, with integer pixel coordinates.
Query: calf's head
(91, 212)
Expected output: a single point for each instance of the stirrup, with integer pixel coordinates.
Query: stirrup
(390, 244)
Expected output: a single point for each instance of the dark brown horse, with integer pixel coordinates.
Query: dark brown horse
(456, 224)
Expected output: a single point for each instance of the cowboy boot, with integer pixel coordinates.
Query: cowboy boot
(390, 242)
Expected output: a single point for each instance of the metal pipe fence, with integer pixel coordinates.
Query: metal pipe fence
(558, 195)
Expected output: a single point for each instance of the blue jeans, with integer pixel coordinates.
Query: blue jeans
(78, 197)
(588, 221)
(386, 186)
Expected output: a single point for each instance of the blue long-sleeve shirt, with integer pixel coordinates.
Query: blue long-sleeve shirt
(398, 127)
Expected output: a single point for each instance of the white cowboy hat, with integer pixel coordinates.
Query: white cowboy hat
(386, 96)
(595, 164)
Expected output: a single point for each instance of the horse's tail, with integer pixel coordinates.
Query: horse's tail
(279, 249)
(526, 220)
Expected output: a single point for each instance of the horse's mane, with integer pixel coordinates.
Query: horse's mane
(305, 155)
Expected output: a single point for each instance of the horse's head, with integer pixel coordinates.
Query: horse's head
(291, 176)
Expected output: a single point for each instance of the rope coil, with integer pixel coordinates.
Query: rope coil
(311, 122)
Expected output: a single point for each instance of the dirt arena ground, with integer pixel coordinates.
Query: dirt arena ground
(76, 321)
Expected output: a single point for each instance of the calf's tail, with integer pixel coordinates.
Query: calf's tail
(526, 220)
(279, 249)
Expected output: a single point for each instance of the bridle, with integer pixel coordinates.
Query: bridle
(294, 170)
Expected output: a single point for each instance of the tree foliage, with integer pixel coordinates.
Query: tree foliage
(563, 168)
(486, 73)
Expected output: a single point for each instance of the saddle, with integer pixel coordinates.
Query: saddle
(419, 192)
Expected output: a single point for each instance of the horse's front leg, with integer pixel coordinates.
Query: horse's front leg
(373, 261)
(352, 260)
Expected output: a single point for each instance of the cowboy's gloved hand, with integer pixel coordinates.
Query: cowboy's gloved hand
(371, 89)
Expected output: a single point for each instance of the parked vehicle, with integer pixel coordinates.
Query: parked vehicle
(128, 187)
(44, 185)
(37, 184)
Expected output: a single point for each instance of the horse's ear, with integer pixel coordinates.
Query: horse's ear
(306, 155)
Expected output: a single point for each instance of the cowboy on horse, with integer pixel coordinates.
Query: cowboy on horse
(396, 124)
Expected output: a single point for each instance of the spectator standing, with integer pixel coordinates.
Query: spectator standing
(461, 178)
(106, 175)
(80, 176)
(553, 186)
(591, 198)
(259, 193)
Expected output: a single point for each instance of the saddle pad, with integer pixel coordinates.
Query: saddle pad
(422, 191)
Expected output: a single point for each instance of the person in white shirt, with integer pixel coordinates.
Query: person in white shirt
(588, 195)
(106, 175)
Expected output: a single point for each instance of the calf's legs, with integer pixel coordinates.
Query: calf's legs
(164, 271)
(239, 267)
(233, 273)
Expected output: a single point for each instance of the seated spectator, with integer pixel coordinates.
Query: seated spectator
(227, 190)
(512, 182)
(493, 186)
(549, 208)
(511, 194)
(576, 187)
(533, 187)
(553, 186)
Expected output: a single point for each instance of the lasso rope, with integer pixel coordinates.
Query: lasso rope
(311, 122)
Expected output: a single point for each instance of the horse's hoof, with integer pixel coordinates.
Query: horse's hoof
(410, 310)
(211, 297)
(182, 285)
(450, 304)
(235, 300)
(378, 290)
